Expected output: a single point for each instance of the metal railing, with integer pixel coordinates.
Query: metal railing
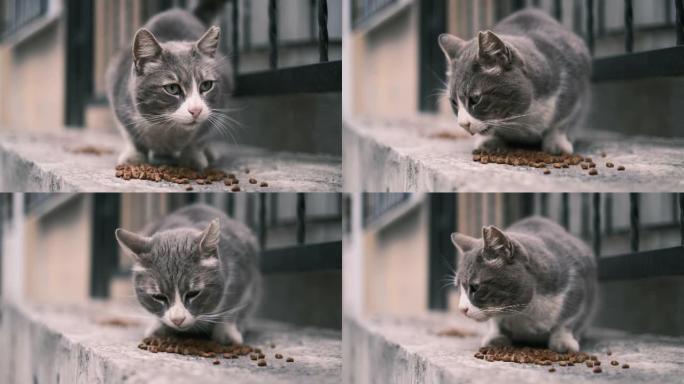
(324, 76)
(363, 10)
(15, 14)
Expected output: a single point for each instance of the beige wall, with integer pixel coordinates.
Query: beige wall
(32, 79)
(57, 248)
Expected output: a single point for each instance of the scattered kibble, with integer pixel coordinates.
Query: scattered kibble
(216, 362)
(189, 188)
(552, 370)
(625, 366)
(278, 356)
(235, 188)
(263, 184)
(252, 181)
(261, 363)
(614, 363)
(621, 168)
(291, 360)
(597, 370)
(593, 172)
(610, 165)
(537, 159)
(178, 175)
(547, 171)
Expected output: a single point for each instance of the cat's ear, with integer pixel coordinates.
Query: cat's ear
(208, 44)
(451, 45)
(494, 51)
(146, 48)
(209, 240)
(497, 243)
(133, 244)
(463, 243)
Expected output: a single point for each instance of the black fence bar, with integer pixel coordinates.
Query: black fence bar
(301, 218)
(649, 264)
(634, 220)
(590, 25)
(544, 204)
(104, 252)
(262, 220)
(442, 254)
(629, 26)
(681, 215)
(602, 17)
(679, 5)
(656, 63)
(608, 216)
(273, 32)
(323, 30)
(303, 258)
(314, 78)
(236, 36)
(565, 210)
(577, 17)
(597, 225)
(585, 219)
(558, 10)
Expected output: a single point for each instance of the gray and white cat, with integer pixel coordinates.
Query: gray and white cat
(197, 271)
(525, 83)
(168, 90)
(534, 283)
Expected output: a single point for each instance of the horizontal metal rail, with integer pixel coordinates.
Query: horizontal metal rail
(648, 264)
(313, 78)
(303, 258)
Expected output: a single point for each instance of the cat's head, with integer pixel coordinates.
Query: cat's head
(492, 277)
(177, 273)
(487, 85)
(178, 83)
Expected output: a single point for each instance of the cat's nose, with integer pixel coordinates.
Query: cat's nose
(178, 320)
(464, 310)
(195, 111)
(465, 125)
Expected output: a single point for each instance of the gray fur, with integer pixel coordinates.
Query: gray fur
(532, 75)
(168, 256)
(534, 282)
(171, 48)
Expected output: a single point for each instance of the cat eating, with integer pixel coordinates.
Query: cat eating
(197, 272)
(533, 283)
(524, 83)
(168, 90)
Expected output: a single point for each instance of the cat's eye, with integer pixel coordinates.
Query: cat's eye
(206, 86)
(474, 100)
(191, 295)
(159, 297)
(474, 287)
(172, 89)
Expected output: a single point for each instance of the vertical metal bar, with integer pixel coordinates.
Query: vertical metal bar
(679, 5)
(262, 220)
(301, 218)
(247, 25)
(544, 204)
(442, 223)
(273, 32)
(565, 209)
(230, 205)
(597, 225)
(558, 10)
(681, 216)
(629, 26)
(577, 17)
(634, 220)
(236, 36)
(585, 216)
(608, 205)
(601, 17)
(323, 30)
(590, 26)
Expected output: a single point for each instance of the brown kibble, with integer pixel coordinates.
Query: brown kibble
(590, 364)
(216, 362)
(247, 170)
(593, 172)
(263, 184)
(261, 363)
(614, 363)
(597, 370)
(603, 154)
(142, 346)
(552, 370)
(189, 188)
(609, 353)
(621, 168)
(291, 360)
(273, 345)
(476, 157)
(547, 171)
(253, 356)
(610, 165)
(597, 363)
(252, 181)
(228, 182)
(593, 357)
(235, 188)
(278, 356)
(625, 366)
(262, 356)
(557, 165)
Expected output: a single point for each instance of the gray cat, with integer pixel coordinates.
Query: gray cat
(168, 90)
(526, 83)
(535, 283)
(197, 271)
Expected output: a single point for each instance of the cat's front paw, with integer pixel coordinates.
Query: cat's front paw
(557, 144)
(563, 341)
(155, 329)
(497, 340)
(490, 144)
(196, 160)
(132, 156)
(227, 333)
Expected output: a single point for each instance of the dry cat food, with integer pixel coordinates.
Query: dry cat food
(454, 332)
(541, 160)
(180, 175)
(206, 349)
(91, 150)
(118, 322)
(544, 357)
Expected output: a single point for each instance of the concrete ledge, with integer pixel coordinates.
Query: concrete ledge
(393, 350)
(71, 345)
(52, 164)
(427, 156)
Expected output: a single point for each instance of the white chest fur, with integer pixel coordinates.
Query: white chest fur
(536, 321)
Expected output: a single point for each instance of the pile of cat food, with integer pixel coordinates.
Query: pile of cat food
(207, 349)
(183, 176)
(541, 160)
(545, 357)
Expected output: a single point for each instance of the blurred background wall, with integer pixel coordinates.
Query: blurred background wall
(60, 248)
(398, 250)
(398, 71)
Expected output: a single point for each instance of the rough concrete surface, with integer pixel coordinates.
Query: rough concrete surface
(409, 350)
(50, 164)
(381, 156)
(69, 344)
